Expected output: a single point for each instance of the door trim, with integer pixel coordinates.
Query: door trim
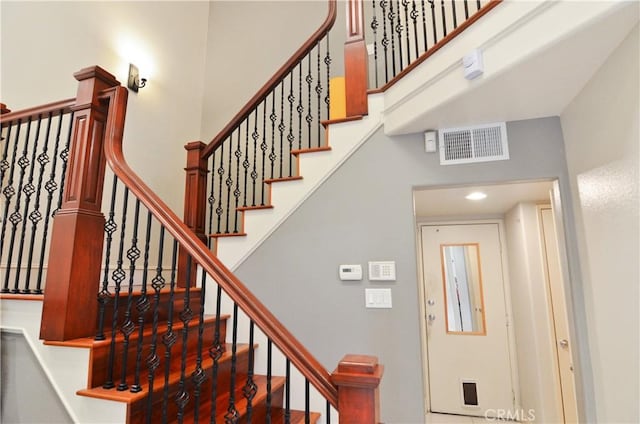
(515, 382)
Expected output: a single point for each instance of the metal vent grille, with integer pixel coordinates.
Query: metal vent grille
(473, 144)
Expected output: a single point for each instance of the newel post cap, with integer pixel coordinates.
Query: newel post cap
(358, 371)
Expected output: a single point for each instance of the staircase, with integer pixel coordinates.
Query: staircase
(182, 340)
(231, 371)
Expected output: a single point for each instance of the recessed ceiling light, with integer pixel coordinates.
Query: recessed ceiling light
(476, 195)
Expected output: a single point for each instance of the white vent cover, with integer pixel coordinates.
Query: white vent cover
(480, 143)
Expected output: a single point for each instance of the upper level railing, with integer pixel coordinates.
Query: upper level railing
(401, 32)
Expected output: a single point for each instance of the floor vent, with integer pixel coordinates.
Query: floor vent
(481, 143)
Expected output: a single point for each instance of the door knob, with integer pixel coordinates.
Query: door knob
(564, 343)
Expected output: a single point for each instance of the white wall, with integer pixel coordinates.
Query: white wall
(44, 43)
(531, 316)
(248, 42)
(600, 129)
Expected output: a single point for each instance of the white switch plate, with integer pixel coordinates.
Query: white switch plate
(377, 298)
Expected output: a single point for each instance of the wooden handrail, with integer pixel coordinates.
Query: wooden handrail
(56, 108)
(274, 81)
(299, 356)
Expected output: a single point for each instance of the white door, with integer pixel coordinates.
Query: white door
(560, 320)
(469, 362)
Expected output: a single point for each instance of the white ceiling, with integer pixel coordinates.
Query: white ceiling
(450, 202)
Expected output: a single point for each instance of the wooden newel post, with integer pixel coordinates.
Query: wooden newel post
(75, 258)
(195, 204)
(357, 378)
(4, 109)
(355, 61)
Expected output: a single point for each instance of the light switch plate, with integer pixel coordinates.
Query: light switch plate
(377, 298)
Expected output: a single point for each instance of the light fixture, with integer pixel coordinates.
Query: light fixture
(134, 81)
(476, 195)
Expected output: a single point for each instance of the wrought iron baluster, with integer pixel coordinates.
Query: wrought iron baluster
(374, 27)
(142, 305)
(236, 190)
(186, 315)
(453, 13)
(273, 117)
(433, 20)
(245, 162)
(385, 39)
(327, 98)
(232, 415)
(269, 378)
(219, 209)
(424, 26)
(287, 392)
(169, 338)
(281, 128)
(307, 408)
(199, 376)
(35, 216)
(466, 10)
(250, 388)
(318, 90)
(398, 29)
(50, 186)
(104, 297)
(478, 4)
(405, 4)
(215, 352)
(300, 107)
(309, 117)
(290, 138)
(391, 15)
(128, 327)
(229, 184)
(263, 146)
(254, 173)
(15, 218)
(28, 190)
(414, 17)
(444, 19)
(153, 361)
(118, 277)
(211, 200)
(328, 412)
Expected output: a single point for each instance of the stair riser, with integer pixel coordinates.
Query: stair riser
(100, 354)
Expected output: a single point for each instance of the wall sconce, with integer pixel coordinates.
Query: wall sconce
(135, 82)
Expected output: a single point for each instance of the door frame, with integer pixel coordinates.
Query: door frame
(422, 295)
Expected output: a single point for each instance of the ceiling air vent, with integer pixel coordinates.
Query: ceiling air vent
(481, 143)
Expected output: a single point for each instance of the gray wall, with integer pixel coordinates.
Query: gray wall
(364, 212)
(22, 378)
